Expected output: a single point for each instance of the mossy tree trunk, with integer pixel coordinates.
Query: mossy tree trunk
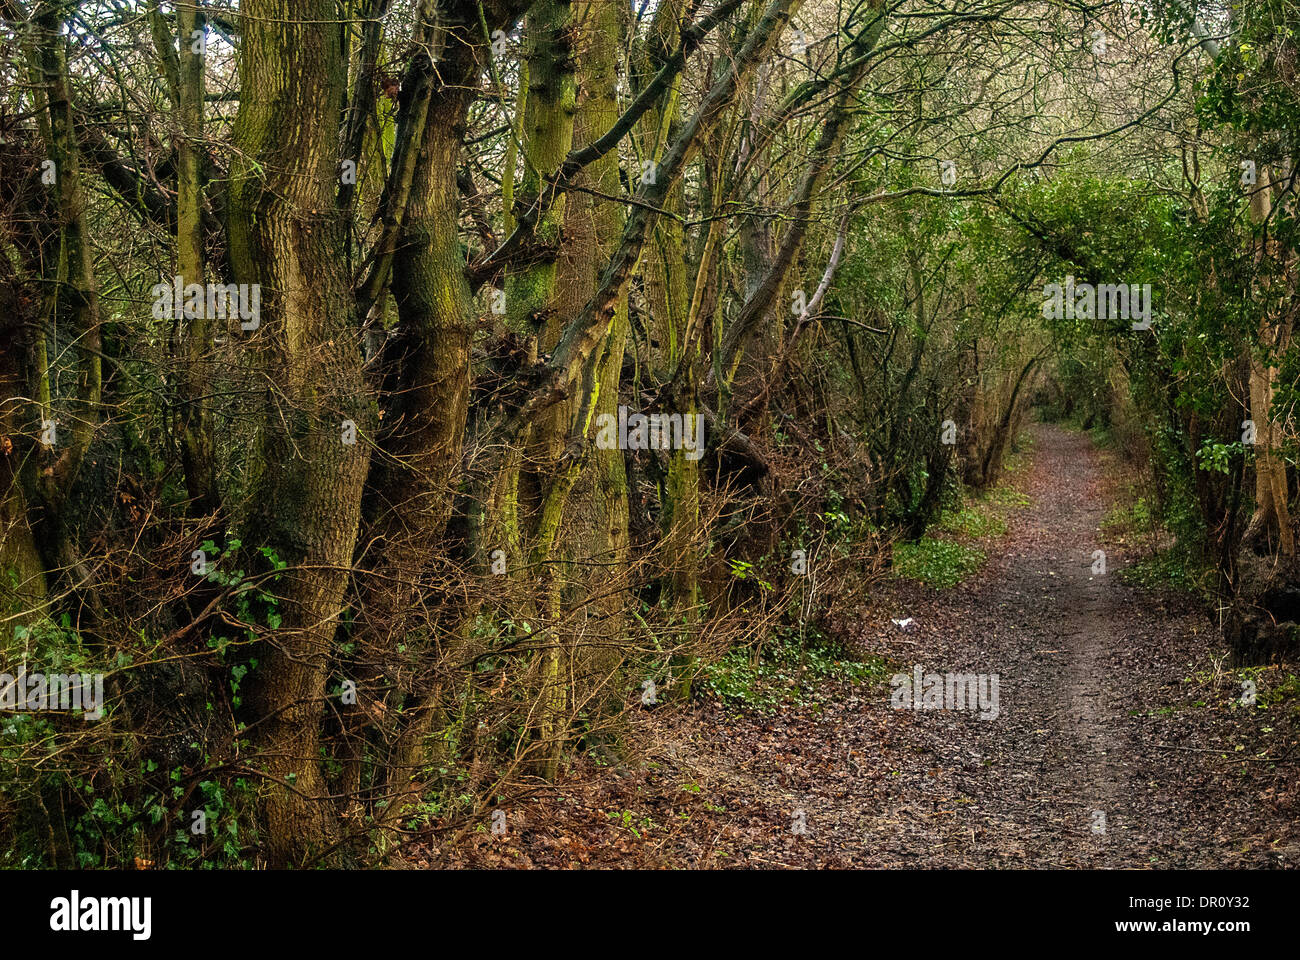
(195, 417)
(285, 234)
(594, 548)
(550, 106)
(1272, 498)
(664, 270)
(72, 291)
(426, 365)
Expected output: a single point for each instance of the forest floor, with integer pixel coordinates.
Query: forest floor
(1120, 738)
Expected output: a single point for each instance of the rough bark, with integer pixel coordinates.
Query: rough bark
(286, 234)
(195, 414)
(426, 364)
(1272, 511)
(72, 290)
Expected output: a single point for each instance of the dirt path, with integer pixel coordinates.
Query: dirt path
(1115, 744)
(1099, 756)
(1068, 774)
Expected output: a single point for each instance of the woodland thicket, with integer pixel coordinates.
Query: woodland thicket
(354, 562)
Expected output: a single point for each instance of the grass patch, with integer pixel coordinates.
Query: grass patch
(1006, 497)
(787, 672)
(1019, 457)
(973, 521)
(936, 563)
(1129, 520)
(1284, 693)
(1172, 569)
(982, 516)
(1274, 687)
(1103, 437)
(1169, 564)
(947, 559)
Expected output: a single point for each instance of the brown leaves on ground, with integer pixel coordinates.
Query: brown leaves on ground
(1121, 741)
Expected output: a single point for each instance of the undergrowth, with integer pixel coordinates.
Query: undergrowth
(1168, 563)
(936, 563)
(944, 557)
(787, 670)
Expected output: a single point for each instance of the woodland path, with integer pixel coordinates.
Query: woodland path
(1109, 704)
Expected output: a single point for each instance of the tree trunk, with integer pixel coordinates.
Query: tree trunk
(549, 109)
(286, 235)
(596, 543)
(1271, 494)
(426, 365)
(72, 289)
(195, 419)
